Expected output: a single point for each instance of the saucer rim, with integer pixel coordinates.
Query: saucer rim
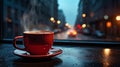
(55, 53)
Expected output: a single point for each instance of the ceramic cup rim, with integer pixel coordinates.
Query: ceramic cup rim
(38, 32)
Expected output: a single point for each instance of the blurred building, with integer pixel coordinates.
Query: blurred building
(83, 8)
(99, 15)
(46, 9)
(54, 8)
(11, 12)
(61, 18)
(1, 19)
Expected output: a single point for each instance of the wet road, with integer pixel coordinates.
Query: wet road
(79, 36)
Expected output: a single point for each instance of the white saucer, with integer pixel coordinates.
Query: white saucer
(53, 52)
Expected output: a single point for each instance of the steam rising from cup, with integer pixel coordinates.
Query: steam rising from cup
(31, 20)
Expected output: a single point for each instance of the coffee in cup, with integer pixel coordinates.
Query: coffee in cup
(36, 42)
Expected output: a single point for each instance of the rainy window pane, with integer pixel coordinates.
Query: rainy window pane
(68, 19)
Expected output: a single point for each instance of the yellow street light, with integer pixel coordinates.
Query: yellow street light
(58, 22)
(83, 25)
(52, 19)
(83, 15)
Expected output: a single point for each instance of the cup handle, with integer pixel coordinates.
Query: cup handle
(14, 42)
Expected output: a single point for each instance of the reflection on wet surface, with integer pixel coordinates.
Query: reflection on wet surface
(37, 62)
(72, 56)
(106, 55)
(90, 57)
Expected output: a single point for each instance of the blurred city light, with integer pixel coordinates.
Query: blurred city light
(83, 15)
(79, 26)
(52, 19)
(83, 25)
(8, 20)
(106, 54)
(106, 17)
(108, 24)
(58, 22)
(69, 26)
(66, 24)
(74, 32)
(106, 51)
(91, 14)
(118, 18)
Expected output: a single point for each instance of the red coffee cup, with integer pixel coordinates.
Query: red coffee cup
(36, 42)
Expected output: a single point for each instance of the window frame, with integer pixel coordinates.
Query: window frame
(91, 43)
